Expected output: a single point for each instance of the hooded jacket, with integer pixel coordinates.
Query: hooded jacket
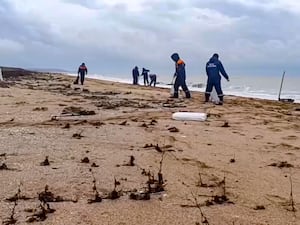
(179, 67)
(135, 72)
(82, 69)
(213, 69)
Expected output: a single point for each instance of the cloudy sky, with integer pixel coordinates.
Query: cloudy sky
(253, 37)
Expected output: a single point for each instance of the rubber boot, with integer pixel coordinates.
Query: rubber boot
(187, 94)
(175, 95)
(207, 95)
(221, 100)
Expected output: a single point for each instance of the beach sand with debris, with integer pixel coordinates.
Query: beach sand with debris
(110, 153)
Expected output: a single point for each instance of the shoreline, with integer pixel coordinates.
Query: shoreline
(108, 136)
(194, 89)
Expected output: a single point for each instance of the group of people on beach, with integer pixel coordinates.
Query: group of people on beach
(213, 67)
(136, 74)
(214, 70)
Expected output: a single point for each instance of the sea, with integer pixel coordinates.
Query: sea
(261, 87)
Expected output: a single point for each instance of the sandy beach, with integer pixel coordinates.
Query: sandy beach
(106, 145)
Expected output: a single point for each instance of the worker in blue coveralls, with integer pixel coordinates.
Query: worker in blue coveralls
(180, 76)
(213, 69)
(135, 75)
(145, 74)
(82, 71)
(152, 79)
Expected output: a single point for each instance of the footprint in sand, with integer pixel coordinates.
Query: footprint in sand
(275, 129)
(291, 137)
(285, 146)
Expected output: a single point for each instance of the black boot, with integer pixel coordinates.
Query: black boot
(221, 100)
(207, 95)
(187, 94)
(175, 95)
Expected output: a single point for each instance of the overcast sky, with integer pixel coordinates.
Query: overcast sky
(252, 37)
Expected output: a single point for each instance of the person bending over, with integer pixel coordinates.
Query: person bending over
(152, 79)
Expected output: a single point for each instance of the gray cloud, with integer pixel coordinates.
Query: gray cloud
(112, 36)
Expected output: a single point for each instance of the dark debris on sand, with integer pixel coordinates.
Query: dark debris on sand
(282, 164)
(77, 111)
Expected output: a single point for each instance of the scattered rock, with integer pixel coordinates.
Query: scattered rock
(153, 122)
(40, 109)
(77, 135)
(45, 162)
(123, 123)
(259, 207)
(3, 167)
(94, 165)
(173, 129)
(140, 196)
(67, 126)
(232, 160)
(226, 124)
(144, 125)
(77, 111)
(85, 160)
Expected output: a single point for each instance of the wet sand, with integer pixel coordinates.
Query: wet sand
(110, 140)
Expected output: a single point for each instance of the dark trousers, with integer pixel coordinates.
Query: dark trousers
(82, 76)
(146, 80)
(209, 86)
(135, 79)
(181, 83)
(214, 83)
(153, 81)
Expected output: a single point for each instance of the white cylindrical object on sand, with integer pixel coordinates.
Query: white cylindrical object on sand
(189, 116)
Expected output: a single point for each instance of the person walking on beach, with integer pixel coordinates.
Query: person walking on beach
(213, 69)
(145, 74)
(152, 79)
(135, 75)
(180, 76)
(82, 72)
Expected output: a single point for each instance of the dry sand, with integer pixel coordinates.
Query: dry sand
(259, 134)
